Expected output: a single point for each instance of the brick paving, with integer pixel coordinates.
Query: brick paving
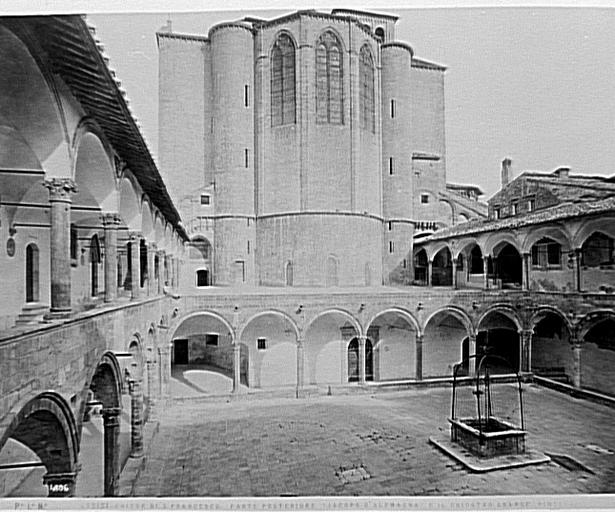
(277, 447)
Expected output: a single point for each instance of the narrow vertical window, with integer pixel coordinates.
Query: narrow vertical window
(32, 278)
(329, 80)
(391, 165)
(391, 246)
(390, 226)
(392, 109)
(366, 66)
(246, 154)
(246, 95)
(248, 246)
(283, 104)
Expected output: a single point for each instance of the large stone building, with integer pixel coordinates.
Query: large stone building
(305, 150)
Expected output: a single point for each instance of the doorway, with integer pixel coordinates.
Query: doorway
(180, 351)
(353, 360)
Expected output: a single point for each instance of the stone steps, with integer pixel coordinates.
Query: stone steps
(32, 313)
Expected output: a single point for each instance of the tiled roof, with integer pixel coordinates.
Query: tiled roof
(425, 64)
(558, 212)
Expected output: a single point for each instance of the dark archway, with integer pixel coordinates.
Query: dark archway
(47, 427)
(498, 335)
(598, 356)
(508, 266)
(353, 360)
(143, 262)
(551, 355)
(420, 267)
(202, 278)
(95, 259)
(475, 261)
(442, 268)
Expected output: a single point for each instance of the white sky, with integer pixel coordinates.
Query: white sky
(536, 84)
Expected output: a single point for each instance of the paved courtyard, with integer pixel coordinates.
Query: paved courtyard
(276, 447)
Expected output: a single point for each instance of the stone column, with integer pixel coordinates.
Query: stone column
(525, 350)
(236, 367)
(430, 273)
(152, 288)
(486, 272)
(471, 354)
(454, 262)
(362, 340)
(136, 418)
(60, 485)
(135, 265)
(151, 369)
(111, 424)
(161, 260)
(576, 356)
(110, 221)
(419, 357)
(578, 282)
(525, 271)
(300, 364)
(60, 190)
(165, 369)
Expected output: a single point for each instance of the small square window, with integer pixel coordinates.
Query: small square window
(261, 343)
(496, 213)
(205, 198)
(531, 205)
(211, 339)
(514, 209)
(424, 198)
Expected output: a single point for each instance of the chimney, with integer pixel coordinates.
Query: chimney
(506, 163)
(562, 172)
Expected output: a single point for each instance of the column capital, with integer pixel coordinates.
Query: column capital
(300, 340)
(110, 219)
(60, 189)
(575, 344)
(525, 332)
(135, 235)
(419, 337)
(111, 413)
(61, 485)
(152, 246)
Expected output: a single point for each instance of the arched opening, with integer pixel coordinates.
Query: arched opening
(442, 268)
(326, 340)
(498, 335)
(95, 259)
(393, 334)
(354, 360)
(104, 397)
(43, 432)
(142, 262)
(551, 356)
(32, 273)
(420, 267)
(475, 261)
(379, 33)
(331, 272)
(202, 356)
(442, 339)
(271, 339)
(598, 263)
(508, 266)
(202, 277)
(289, 273)
(546, 254)
(598, 356)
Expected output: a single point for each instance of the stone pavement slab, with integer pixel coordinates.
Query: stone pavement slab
(282, 446)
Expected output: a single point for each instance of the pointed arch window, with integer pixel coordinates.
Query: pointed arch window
(329, 80)
(283, 104)
(366, 66)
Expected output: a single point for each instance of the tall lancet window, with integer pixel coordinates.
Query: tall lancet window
(329, 80)
(283, 104)
(366, 67)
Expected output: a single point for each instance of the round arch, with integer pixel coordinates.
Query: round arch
(400, 311)
(604, 225)
(274, 312)
(556, 233)
(544, 310)
(497, 239)
(355, 323)
(204, 312)
(130, 210)
(504, 310)
(47, 426)
(590, 320)
(147, 219)
(455, 312)
(465, 245)
(433, 250)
